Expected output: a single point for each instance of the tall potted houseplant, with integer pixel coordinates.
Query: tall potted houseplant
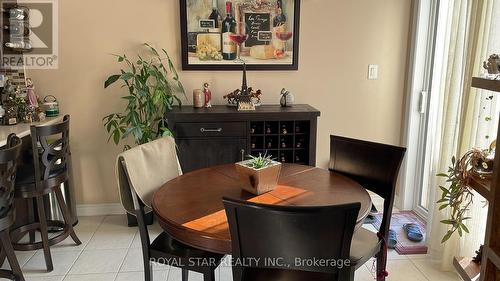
(153, 84)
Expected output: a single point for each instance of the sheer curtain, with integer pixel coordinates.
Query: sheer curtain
(461, 118)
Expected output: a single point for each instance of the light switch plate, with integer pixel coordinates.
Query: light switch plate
(373, 72)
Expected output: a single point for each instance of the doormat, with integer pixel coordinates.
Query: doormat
(405, 246)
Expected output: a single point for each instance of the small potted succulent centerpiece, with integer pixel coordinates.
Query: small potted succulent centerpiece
(259, 174)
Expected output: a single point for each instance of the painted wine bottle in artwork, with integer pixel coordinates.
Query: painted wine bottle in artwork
(280, 18)
(216, 17)
(228, 29)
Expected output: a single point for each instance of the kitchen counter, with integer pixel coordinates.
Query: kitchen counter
(23, 129)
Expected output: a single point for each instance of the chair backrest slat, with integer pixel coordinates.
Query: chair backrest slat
(8, 164)
(283, 235)
(51, 152)
(374, 165)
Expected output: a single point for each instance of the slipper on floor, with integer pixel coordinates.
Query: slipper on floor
(393, 239)
(370, 219)
(413, 232)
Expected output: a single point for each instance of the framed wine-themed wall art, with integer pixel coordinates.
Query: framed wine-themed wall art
(222, 34)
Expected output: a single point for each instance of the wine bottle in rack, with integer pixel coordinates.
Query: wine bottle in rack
(297, 159)
(299, 144)
(270, 143)
(283, 143)
(282, 158)
(268, 130)
(283, 129)
(228, 28)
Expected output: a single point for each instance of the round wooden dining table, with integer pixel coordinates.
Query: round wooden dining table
(190, 208)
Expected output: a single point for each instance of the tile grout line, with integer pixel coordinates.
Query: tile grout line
(421, 272)
(126, 254)
(81, 252)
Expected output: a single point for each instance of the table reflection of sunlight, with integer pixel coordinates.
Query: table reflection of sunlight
(217, 222)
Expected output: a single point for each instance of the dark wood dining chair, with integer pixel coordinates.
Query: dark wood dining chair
(281, 243)
(166, 250)
(376, 167)
(8, 163)
(50, 168)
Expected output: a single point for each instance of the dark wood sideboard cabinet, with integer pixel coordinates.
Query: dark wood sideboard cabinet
(220, 135)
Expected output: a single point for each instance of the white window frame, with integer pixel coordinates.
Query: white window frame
(415, 138)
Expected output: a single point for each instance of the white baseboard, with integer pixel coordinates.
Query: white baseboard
(87, 210)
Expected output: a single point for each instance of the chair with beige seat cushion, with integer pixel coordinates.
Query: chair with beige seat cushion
(375, 166)
(141, 171)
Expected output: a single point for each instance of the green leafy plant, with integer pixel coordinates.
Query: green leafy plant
(152, 86)
(259, 162)
(458, 195)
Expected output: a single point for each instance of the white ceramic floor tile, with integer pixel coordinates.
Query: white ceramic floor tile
(22, 259)
(111, 239)
(153, 230)
(225, 273)
(91, 277)
(393, 255)
(118, 222)
(99, 261)
(133, 262)
(363, 274)
(89, 224)
(139, 276)
(431, 270)
(43, 278)
(403, 270)
(69, 245)
(175, 274)
(417, 257)
(370, 227)
(62, 262)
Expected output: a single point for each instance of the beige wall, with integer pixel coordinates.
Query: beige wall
(339, 38)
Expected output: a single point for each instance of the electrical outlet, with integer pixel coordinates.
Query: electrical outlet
(373, 72)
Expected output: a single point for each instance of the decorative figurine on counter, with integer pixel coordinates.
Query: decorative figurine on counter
(208, 95)
(287, 98)
(493, 64)
(255, 96)
(30, 92)
(245, 100)
(9, 90)
(232, 98)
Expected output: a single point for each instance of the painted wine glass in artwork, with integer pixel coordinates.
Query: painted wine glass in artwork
(284, 36)
(239, 38)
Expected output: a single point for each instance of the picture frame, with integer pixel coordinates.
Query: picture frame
(271, 29)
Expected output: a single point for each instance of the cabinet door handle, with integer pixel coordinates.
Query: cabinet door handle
(242, 154)
(218, 130)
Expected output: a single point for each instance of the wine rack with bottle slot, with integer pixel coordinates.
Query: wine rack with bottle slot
(285, 141)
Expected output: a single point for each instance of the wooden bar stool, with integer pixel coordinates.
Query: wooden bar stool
(51, 167)
(8, 163)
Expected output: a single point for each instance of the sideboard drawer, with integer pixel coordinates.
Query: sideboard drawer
(220, 129)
